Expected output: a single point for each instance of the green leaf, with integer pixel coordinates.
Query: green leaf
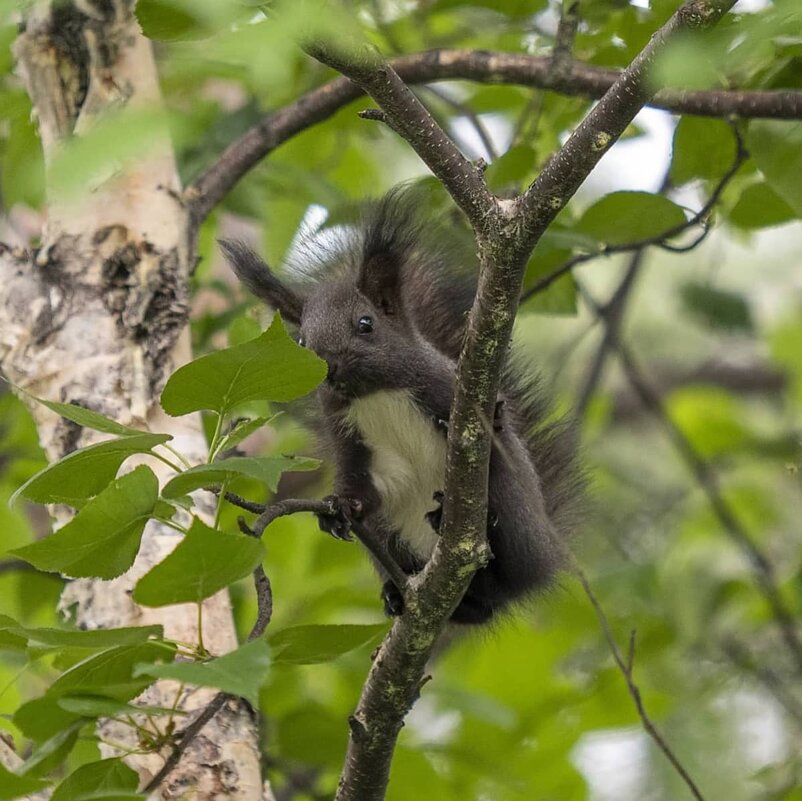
(22, 176)
(41, 718)
(759, 206)
(312, 734)
(718, 308)
(703, 148)
(711, 419)
(267, 469)
(13, 786)
(271, 367)
(97, 639)
(102, 540)
(623, 217)
(309, 645)
(88, 419)
(84, 473)
(94, 706)
(53, 751)
(511, 169)
(107, 775)
(110, 673)
(10, 638)
(243, 329)
(169, 21)
(560, 296)
(776, 147)
(241, 672)
(203, 563)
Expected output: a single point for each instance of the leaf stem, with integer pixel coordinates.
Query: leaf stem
(166, 461)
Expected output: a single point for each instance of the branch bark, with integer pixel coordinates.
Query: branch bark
(206, 191)
(506, 232)
(411, 120)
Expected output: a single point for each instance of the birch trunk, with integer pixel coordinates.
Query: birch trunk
(97, 316)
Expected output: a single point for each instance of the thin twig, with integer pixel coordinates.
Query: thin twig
(659, 240)
(185, 737)
(740, 656)
(244, 503)
(626, 668)
(264, 597)
(707, 479)
(289, 506)
(561, 54)
(470, 115)
(612, 314)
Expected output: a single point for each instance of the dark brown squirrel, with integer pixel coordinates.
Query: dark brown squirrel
(387, 312)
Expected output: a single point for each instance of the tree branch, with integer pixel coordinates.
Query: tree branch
(318, 105)
(707, 479)
(265, 606)
(659, 240)
(626, 668)
(561, 60)
(602, 127)
(411, 120)
(506, 231)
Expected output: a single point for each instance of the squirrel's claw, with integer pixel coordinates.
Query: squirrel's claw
(435, 517)
(498, 416)
(334, 522)
(440, 423)
(392, 599)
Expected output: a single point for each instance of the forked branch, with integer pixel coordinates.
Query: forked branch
(506, 232)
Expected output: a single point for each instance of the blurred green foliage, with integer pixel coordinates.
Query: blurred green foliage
(535, 708)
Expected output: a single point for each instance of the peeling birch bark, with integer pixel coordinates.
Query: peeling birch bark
(97, 316)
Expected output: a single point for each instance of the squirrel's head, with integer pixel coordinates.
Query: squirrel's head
(354, 318)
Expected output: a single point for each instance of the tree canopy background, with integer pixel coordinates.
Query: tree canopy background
(690, 427)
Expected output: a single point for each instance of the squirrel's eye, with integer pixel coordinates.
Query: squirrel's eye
(365, 325)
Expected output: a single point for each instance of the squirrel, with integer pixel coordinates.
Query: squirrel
(387, 313)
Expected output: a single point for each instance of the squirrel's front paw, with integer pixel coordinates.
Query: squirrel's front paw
(334, 522)
(498, 416)
(392, 599)
(435, 517)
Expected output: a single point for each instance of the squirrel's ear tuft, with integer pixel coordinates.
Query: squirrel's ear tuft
(380, 281)
(391, 229)
(258, 278)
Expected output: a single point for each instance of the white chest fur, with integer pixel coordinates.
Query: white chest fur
(407, 464)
